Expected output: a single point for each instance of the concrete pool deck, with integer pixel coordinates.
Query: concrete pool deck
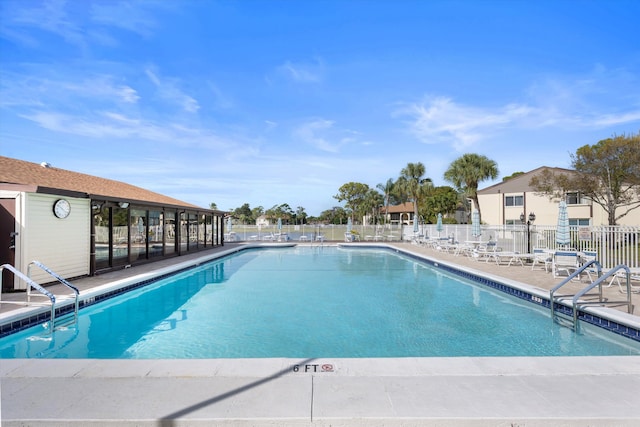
(514, 391)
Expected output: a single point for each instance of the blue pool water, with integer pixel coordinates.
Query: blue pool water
(313, 302)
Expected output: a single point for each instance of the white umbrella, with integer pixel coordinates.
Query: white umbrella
(563, 238)
(439, 224)
(475, 224)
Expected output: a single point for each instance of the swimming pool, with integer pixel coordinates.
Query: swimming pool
(313, 302)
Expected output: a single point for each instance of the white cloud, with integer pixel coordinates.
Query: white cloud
(440, 119)
(109, 124)
(135, 17)
(220, 100)
(617, 119)
(77, 23)
(128, 94)
(44, 89)
(309, 133)
(49, 16)
(311, 72)
(598, 100)
(168, 89)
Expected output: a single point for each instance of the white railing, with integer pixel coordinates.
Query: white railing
(614, 244)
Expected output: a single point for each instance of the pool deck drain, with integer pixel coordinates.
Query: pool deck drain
(512, 391)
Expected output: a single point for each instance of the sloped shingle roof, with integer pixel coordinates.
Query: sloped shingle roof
(20, 172)
(401, 208)
(520, 183)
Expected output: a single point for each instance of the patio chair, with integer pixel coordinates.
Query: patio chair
(485, 251)
(416, 239)
(622, 275)
(587, 256)
(565, 261)
(542, 256)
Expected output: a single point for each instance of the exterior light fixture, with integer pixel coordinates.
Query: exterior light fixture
(532, 218)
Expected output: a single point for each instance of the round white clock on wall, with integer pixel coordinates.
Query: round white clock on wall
(61, 208)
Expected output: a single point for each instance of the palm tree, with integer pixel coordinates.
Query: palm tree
(413, 183)
(371, 203)
(386, 189)
(467, 171)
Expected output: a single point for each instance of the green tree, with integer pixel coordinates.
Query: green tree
(467, 171)
(257, 212)
(413, 184)
(354, 195)
(282, 211)
(441, 200)
(301, 215)
(213, 206)
(513, 175)
(371, 204)
(608, 173)
(335, 215)
(243, 214)
(387, 190)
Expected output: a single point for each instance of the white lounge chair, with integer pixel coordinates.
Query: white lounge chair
(509, 257)
(565, 261)
(485, 251)
(588, 256)
(542, 256)
(620, 275)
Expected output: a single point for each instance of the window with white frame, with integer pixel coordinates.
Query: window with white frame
(574, 198)
(579, 221)
(514, 201)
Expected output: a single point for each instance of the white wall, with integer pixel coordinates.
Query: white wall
(546, 210)
(63, 245)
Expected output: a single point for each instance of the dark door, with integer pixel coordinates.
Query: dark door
(8, 239)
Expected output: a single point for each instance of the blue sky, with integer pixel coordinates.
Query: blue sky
(271, 102)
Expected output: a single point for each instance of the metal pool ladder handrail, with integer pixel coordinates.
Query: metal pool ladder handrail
(575, 299)
(63, 281)
(30, 283)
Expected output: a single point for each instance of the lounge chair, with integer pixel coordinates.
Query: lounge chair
(416, 239)
(542, 256)
(485, 251)
(622, 275)
(588, 256)
(565, 261)
(509, 257)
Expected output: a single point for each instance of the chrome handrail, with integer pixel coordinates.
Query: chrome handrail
(598, 282)
(576, 304)
(31, 284)
(553, 298)
(57, 277)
